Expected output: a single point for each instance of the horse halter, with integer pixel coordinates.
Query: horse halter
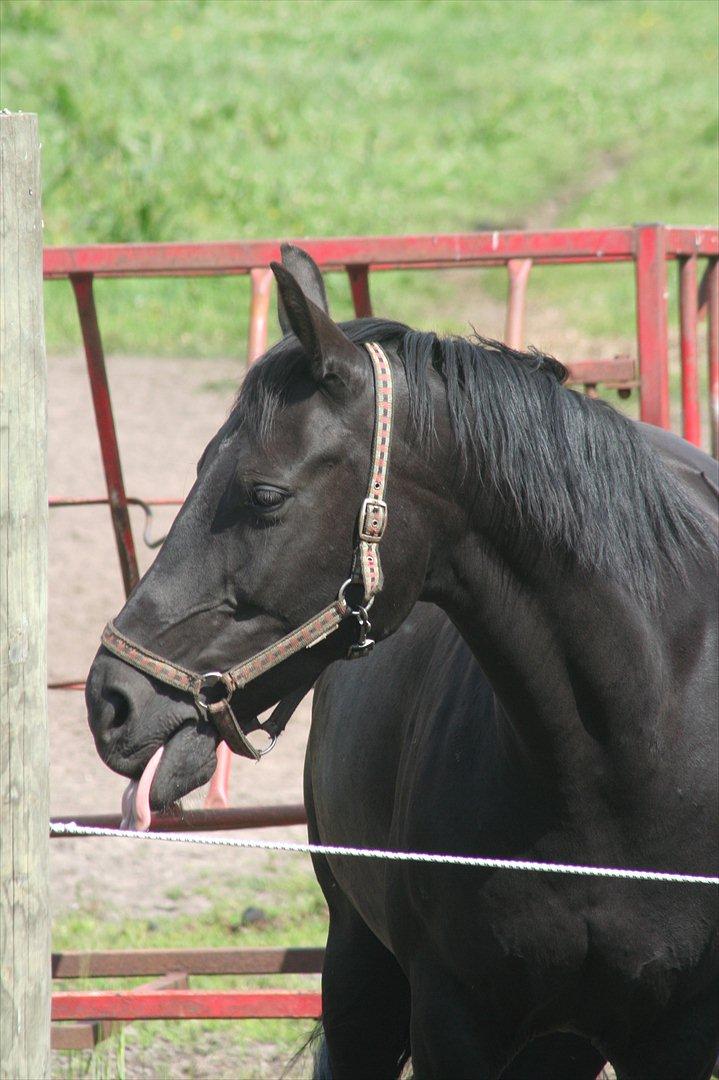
(212, 690)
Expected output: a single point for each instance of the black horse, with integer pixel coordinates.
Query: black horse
(577, 564)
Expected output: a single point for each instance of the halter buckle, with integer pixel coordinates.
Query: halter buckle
(372, 520)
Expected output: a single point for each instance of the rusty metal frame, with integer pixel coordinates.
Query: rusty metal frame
(144, 1003)
(81, 1026)
(109, 449)
(207, 820)
(134, 963)
(713, 352)
(689, 315)
(86, 1033)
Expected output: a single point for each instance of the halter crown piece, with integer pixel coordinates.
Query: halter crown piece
(212, 690)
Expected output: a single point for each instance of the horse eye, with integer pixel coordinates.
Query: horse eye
(267, 498)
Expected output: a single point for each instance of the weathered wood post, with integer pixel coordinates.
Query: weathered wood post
(24, 790)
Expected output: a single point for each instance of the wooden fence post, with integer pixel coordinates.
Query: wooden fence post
(24, 788)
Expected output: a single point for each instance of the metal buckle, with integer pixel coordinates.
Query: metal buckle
(372, 520)
(209, 679)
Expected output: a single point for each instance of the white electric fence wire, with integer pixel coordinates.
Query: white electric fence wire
(73, 829)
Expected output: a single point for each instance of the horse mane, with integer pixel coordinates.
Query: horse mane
(573, 472)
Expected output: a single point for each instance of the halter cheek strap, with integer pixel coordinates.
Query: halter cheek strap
(367, 568)
(212, 691)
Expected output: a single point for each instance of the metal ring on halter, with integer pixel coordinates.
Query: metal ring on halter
(273, 740)
(341, 596)
(215, 676)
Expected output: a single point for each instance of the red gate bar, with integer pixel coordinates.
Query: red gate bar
(385, 252)
(518, 271)
(87, 1034)
(688, 317)
(82, 285)
(691, 242)
(379, 252)
(713, 352)
(185, 1005)
(359, 287)
(652, 336)
(262, 280)
(131, 963)
(236, 817)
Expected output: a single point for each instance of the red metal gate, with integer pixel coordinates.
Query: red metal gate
(649, 247)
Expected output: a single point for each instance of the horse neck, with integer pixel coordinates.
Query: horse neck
(577, 665)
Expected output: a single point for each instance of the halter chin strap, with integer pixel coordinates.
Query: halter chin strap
(212, 690)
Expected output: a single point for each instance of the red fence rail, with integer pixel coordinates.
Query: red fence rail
(234, 817)
(95, 1013)
(144, 1003)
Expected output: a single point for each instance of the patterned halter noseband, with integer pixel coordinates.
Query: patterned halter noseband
(212, 690)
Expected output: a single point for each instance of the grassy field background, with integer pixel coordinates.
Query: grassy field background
(219, 119)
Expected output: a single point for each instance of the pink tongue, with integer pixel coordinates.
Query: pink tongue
(136, 797)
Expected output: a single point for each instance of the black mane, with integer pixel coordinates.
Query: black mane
(570, 469)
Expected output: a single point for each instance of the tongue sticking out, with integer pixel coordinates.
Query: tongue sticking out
(136, 797)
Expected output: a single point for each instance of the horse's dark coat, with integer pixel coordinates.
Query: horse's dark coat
(561, 706)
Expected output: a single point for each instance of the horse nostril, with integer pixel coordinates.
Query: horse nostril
(119, 704)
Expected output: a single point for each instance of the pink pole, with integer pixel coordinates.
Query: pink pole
(652, 331)
(261, 279)
(688, 313)
(713, 354)
(359, 285)
(518, 271)
(218, 795)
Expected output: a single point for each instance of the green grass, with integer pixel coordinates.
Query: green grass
(189, 119)
(295, 915)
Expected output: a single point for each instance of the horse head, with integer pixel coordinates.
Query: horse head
(264, 540)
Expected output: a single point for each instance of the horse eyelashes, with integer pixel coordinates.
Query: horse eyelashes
(266, 497)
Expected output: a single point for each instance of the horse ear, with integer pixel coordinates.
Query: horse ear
(333, 357)
(307, 274)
